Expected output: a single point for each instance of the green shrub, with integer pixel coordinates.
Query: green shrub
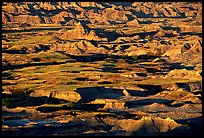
(6, 102)
(134, 57)
(70, 104)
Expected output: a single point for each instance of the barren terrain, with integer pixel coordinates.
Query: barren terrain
(102, 68)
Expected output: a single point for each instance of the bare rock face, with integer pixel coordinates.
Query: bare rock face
(40, 93)
(139, 52)
(99, 21)
(92, 36)
(5, 18)
(188, 53)
(109, 103)
(57, 19)
(60, 18)
(183, 73)
(107, 11)
(191, 98)
(47, 6)
(72, 22)
(151, 27)
(144, 126)
(70, 96)
(123, 39)
(172, 53)
(196, 46)
(81, 47)
(27, 19)
(114, 104)
(133, 23)
(81, 31)
(175, 94)
(86, 4)
(160, 33)
(158, 124)
(163, 10)
(9, 8)
(126, 93)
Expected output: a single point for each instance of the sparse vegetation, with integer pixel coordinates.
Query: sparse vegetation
(69, 104)
(6, 102)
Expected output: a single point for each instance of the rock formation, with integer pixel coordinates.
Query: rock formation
(183, 73)
(81, 31)
(133, 23)
(108, 11)
(72, 22)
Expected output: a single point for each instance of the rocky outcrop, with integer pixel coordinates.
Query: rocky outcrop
(172, 53)
(99, 21)
(27, 19)
(196, 45)
(105, 11)
(109, 103)
(113, 14)
(123, 39)
(151, 27)
(133, 23)
(144, 126)
(86, 4)
(5, 18)
(164, 9)
(184, 74)
(81, 31)
(61, 17)
(81, 47)
(69, 96)
(72, 22)
(159, 33)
